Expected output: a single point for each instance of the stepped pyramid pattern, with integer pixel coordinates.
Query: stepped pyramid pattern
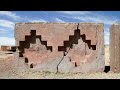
(60, 47)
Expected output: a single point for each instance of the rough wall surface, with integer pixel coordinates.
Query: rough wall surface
(7, 64)
(115, 48)
(5, 48)
(8, 48)
(60, 47)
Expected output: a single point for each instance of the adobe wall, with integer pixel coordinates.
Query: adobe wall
(115, 48)
(7, 64)
(5, 48)
(60, 47)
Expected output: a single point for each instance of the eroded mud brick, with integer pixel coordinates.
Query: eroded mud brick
(87, 55)
(7, 64)
(5, 48)
(8, 48)
(61, 47)
(115, 48)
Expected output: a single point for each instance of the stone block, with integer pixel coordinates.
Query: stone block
(61, 47)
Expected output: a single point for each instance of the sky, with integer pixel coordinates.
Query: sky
(9, 18)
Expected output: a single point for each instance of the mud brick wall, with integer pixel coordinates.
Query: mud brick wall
(7, 64)
(60, 47)
(8, 48)
(5, 48)
(115, 48)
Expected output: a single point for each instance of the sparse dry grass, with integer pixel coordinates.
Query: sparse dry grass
(47, 75)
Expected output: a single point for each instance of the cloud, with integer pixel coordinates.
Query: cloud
(59, 20)
(10, 14)
(87, 16)
(38, 20)
(104, 20)
(6, 23)
(2, 30)
(97, 19)
(74, 12)
(7, 41)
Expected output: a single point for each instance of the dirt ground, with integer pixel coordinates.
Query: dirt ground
(47, 75)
